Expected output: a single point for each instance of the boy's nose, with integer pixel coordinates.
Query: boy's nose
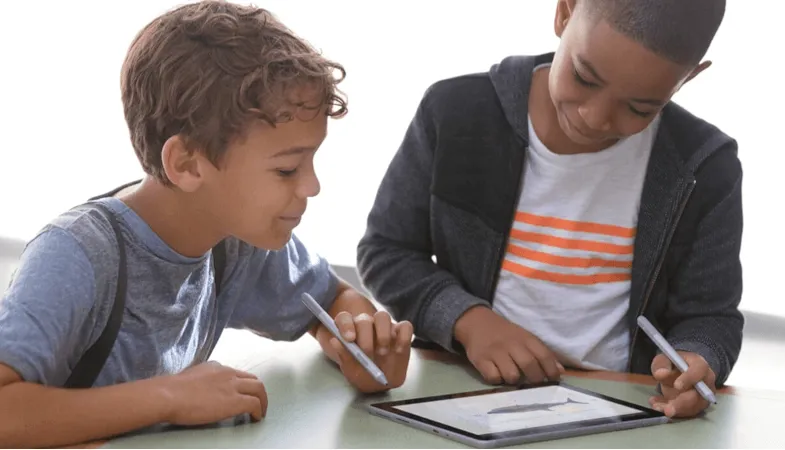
(310, 187)
(596, 115)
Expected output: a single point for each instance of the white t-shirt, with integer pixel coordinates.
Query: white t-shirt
(566, 274)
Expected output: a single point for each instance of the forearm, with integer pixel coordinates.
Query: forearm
(414, 288)
(716, 338)
(349, 300)
(702, 315)
(32, 415)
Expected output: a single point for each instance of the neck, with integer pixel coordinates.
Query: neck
(175, 217)
(546, 122)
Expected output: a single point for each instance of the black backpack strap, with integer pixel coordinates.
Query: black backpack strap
(89, 366)
(219, 264)
(92, 362)
(114, 191)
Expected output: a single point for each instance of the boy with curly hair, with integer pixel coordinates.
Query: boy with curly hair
(226, 108)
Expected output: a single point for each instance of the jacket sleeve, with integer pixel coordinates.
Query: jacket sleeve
(702, 314)
(394, 257)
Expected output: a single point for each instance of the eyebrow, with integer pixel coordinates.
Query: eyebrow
(292, 151)
(587, 65)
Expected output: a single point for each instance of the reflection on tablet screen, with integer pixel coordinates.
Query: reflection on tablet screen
(517, 410)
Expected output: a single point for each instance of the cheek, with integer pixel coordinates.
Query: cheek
(564, 90)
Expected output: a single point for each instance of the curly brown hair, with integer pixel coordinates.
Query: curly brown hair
(205, 71)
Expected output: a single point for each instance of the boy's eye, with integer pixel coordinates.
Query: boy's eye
(638, 112)
(582, 80)
(286, 173)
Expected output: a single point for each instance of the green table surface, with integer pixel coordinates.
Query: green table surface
(311, 405)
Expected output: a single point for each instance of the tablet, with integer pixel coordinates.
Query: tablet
(516, 415)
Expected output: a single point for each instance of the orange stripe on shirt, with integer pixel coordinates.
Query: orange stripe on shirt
(572, 225)
(566, 261)
(571, 244)
(564, 278)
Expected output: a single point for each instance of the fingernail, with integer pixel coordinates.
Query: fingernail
(383, 351)
(399, 349)
(349, 335)
(679, 385)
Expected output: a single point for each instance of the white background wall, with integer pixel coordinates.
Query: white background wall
(64, 139)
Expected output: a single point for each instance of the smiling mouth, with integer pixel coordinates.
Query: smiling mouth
(581, 133)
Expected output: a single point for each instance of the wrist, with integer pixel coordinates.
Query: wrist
(467, 322)
(163, 391)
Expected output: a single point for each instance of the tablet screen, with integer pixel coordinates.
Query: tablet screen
(516, 410)
(502, 412)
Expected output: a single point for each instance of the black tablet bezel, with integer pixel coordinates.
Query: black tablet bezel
(643, 412)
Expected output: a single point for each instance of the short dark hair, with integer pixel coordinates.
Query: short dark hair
(206, 70)
(678, 30)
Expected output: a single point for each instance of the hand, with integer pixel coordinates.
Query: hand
(209, 392)
(501, 350)
(679, 398)
(389, 346)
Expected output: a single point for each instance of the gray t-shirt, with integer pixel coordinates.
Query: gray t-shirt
(60, 297)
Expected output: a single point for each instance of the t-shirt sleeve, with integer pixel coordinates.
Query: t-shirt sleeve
(272, 306)
(46, 307)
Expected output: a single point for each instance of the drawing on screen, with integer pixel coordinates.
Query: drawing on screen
(537, 407)
(533, 407)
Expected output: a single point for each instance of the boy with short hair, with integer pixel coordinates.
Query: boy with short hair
(534, 211)
(226, 108)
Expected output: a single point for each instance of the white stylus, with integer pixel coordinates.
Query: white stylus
(353, 348)
(675, 358)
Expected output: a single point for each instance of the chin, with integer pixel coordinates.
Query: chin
(575, 136)
(581, 140)
(271, 242)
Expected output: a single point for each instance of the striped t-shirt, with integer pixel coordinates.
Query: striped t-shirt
(566, 274)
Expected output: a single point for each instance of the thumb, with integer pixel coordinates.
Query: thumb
(661, 367)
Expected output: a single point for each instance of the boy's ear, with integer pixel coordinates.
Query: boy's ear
(181, 165)
(564, 11)
(700, 68)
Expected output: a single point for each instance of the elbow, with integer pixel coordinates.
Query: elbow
(367, 253)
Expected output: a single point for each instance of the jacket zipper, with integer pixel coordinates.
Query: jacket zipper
(501, 251)
(658, 267)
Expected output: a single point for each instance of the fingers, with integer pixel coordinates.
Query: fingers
(377, 332)
(383, 325)
(242, 374)
(508, 368)
(546, 360)
(254, 397)
(340, 350)
(686, 404)
(527, 363)
(254, 407)
(663, 371)
(364, 326)
(658, 403)
(345, 323)
(404, 331)
(698, 370)
(489, 371)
